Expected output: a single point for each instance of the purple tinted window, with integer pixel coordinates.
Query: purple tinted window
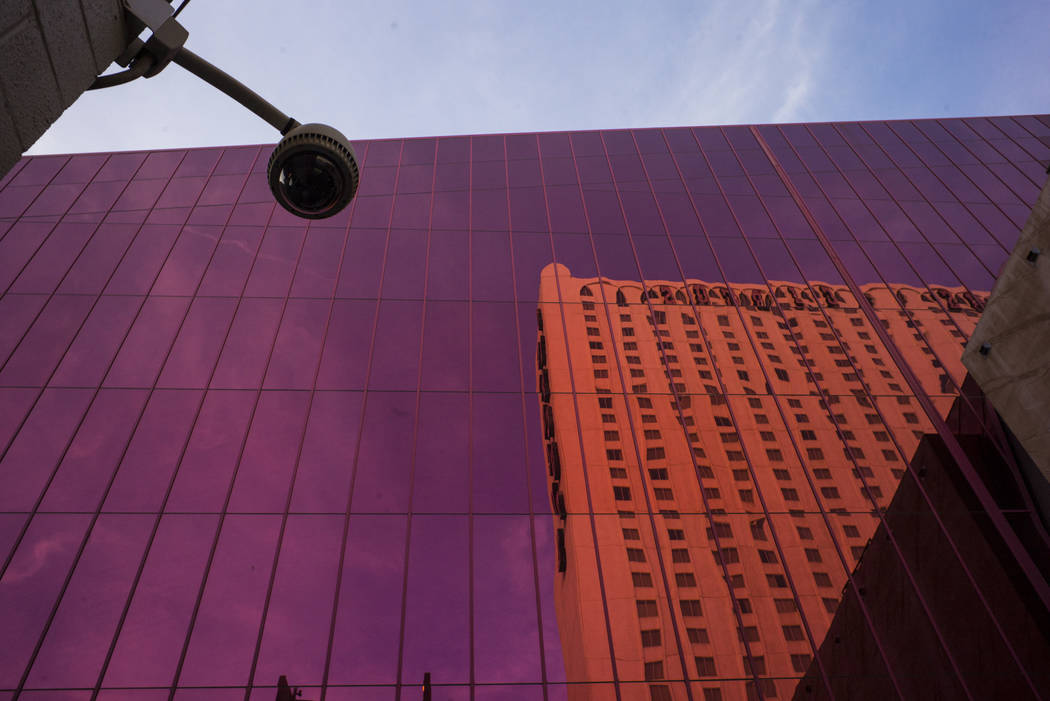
(236, 444)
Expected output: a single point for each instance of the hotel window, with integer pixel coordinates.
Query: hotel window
(652, 433)
(684, 579)
(648, 418)
(712, 493)
(646, 608)
(857, 551)
(727, 556)
(730, 437)
(612, 435)
(663, 494)
(625, 317)
(777, 581)
(830, 605)
(761, 419)
(654, 671)
(800, 663)
(747, 496)
(748, 634)
(744, 605)
(740, 475)
(767, 556)
(654, 453)
(651, 638)
(822, 579)
(785, 605)
(601, 374)
(724, 530)
(591, 331)
(767, 435)
(618, 473)
(628, 331)
(698, 636)
(608, 418)
(813, 555)
(614, 454)
(637, 373)
(822, 473)
(631, 534)
(635, 555)
(659, 473)
(793, 633)
(705, 666)
(804, 533)
(630, 346)
(734, 456)
(889, 455)
(622, 493)
(690, 607)
(782, 475)
(634, 360)
(645, 402)
(642, 579)
(679, 555)
(781, 374)
(675, 534)
(829, 492)
(774, 455)
(814, 453)
(659, 692)
(723, 320)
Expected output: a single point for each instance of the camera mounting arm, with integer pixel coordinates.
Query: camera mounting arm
(312, 172)
(166, 45)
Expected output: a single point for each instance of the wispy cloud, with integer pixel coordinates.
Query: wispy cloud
(408, 69)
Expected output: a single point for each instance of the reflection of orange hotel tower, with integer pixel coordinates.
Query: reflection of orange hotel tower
(705, 533)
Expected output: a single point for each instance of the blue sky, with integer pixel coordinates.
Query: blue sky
(415, 69)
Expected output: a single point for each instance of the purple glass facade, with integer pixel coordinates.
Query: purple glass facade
(236, 445)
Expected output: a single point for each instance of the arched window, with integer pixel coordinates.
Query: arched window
(586, 291)
(621, 298)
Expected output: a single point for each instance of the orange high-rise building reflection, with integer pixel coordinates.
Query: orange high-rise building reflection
(717, 459)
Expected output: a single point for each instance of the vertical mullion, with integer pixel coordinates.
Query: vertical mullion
(415, 432)
(233, 479)
(579, 429)
(340, 570)
(178, 463)
(524, 425)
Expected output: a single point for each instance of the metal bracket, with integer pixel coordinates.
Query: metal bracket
(168, 36)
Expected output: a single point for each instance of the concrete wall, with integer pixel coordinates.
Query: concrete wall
(1009, 352)
(50, 52)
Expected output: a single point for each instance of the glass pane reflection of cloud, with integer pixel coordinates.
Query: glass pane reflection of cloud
(549, 416)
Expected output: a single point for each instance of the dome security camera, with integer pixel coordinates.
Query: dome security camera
(313, 171)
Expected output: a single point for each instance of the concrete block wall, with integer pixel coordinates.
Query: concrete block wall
(50, 52)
